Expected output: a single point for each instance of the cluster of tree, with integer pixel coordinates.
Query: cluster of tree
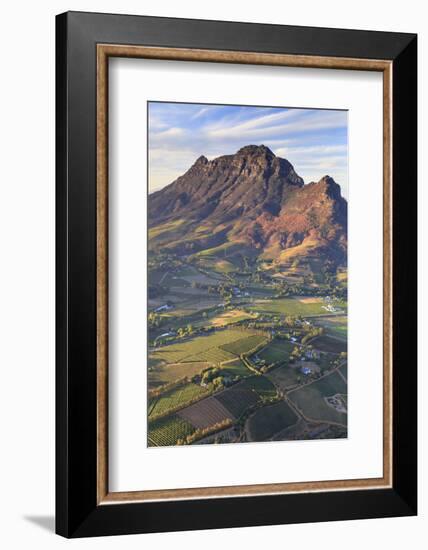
(204, 432)
(155, 320)
(188, 330)
(297, 352)
(161, 390)
(290, 320)
(210, 375)
(313, 333)
(216, 377)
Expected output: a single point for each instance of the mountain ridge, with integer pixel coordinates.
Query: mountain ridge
(252, 198)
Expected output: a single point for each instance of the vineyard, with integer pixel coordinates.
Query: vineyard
(212, 355)
(237, 401)
(284, 377)
(213, 345)
(260, 385)
(269, 420)
(167, 431)
(244, 345)
(276, 351)
(329, 344)
(178, 397)
(205, 413)
(163, 374)
(235, 368)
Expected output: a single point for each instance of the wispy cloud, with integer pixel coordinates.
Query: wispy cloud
(313, 140)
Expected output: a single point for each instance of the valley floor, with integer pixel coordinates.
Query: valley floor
(244, 356)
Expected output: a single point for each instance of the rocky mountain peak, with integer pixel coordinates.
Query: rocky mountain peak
(328, 186)
(252, 197)
(201, 160)
(255, 150)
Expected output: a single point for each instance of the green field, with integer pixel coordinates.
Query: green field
(344, 370)
(339, 330)
(284, 377)
(276, 351)
(270, 420)
(166, 229)
(310, 399)
(329, 344)
(214, 356)
(229, 252)
(237, 399)
(337, 326)
(235, 368)
(260, 385)
(220, 264)
(163, 373)
(180, 396)
(244, 345)
(167, 431)
(290, 306)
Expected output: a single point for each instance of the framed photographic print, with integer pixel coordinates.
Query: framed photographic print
(236, 274)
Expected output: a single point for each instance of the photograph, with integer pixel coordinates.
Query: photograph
(247, 273)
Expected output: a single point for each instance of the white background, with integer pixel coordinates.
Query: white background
(27, 273)
(132, 83)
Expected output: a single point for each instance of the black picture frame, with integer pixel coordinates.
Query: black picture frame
(77, 511)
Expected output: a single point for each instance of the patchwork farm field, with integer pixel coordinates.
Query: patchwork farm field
(310, 399)
(269, 420)
(229, 404)
(190, 357)
(246, 294)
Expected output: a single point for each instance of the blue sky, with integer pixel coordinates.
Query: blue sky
(313, 140)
